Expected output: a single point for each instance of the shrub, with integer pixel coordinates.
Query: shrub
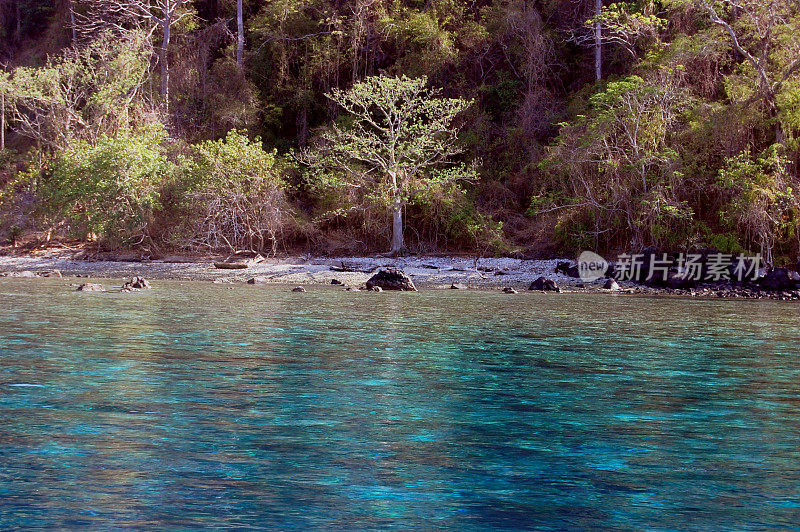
(237, 195)
(108, 188)
(762, 204)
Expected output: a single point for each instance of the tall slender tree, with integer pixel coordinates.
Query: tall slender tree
(598, 40)
(239, 33)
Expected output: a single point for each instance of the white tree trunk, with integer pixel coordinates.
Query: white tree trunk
(72, 23)
(165, 58)
(598, 42)
(240, 33)
(397, 227)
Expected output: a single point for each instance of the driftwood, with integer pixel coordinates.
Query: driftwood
(239, 261)
(351, 269)
(231, 265)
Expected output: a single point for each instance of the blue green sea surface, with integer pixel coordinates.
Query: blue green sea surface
(195, 405)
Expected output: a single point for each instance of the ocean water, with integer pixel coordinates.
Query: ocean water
(195, 405)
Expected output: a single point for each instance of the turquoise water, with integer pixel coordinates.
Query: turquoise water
(195, 405)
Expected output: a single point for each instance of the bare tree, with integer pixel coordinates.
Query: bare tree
(154, 14)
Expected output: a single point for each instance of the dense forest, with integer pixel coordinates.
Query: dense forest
(354, 126)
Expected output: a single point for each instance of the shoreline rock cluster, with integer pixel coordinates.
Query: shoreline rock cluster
(769, 283)
(408, 274)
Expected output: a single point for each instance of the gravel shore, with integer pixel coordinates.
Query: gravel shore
(426, 271)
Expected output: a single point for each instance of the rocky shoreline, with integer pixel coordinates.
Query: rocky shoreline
(427, 272)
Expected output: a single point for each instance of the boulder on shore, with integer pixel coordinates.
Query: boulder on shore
(680, 281)
(568, 269)
(509, 290)
(24, 273)
(258, 280)
(298, 289)
(458, 286)
(90, 287)
(777, 279)
(544, 285)
(392, 279)
(611, 284)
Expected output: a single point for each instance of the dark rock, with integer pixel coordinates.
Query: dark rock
(298, 289)
(501, 272)
(547, 285)
(739, 272)
(376, 289)
(90, 287)
(509, 290)
(677, 281)
(458, 286)
(568, 269)
(580, 285)
(352, 289)
(137, 283)
(336, 281)
(392, 279)
(611, 284)
(777, 279)
(258, 280)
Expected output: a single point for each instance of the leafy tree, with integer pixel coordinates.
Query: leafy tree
(120, 15)
(82, 94)
(613, 173)
(762, 202)
(108, 188)
(767, 35)
(400, 138)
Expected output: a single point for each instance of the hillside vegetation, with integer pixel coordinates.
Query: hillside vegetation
(355, 126)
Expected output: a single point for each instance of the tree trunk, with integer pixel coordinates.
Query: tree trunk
(164, 59)
(3, 121)
(18, 21)
(598, 42)
(301, 122)
(72, 23)
(397, 227)
(240, 33)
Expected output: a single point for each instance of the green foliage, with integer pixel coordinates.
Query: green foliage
(762, 202)
(645, 156)
(614, 167)
(626, 25)
(84, 93)
(401, 141)
(236, 195)
(108, 188)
